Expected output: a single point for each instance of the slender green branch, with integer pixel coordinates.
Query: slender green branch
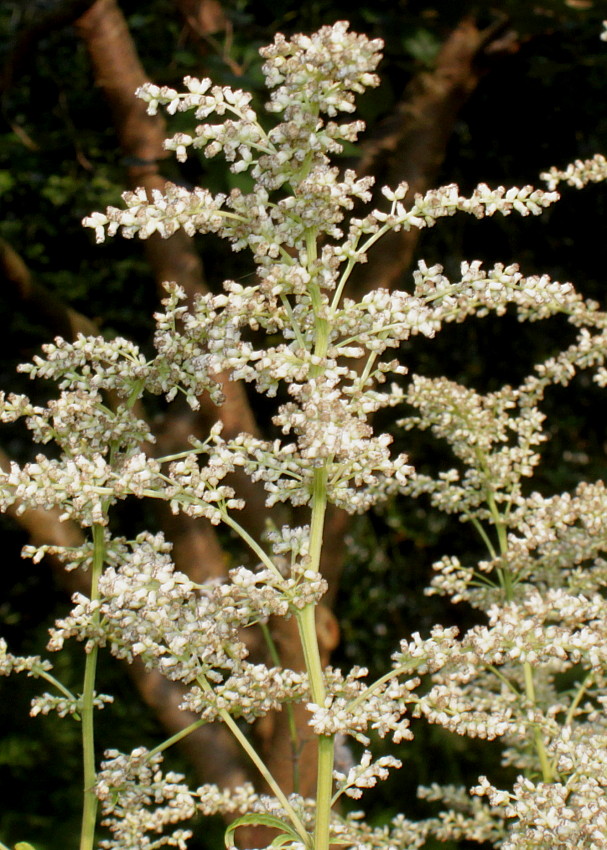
(306, 622)
(259, 764)
(342, 282)
(179, 455)
(506, 580)
(294, 326)
(368, 366)
(89, 809)
(48, 677)
(547, 772)
(497, 672)
(578, 697)
(324, 792)
(251, 543)
(484, 536)
(178, 736)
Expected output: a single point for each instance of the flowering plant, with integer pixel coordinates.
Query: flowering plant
(539, 590)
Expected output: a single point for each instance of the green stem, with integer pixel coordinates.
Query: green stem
(324, 792)
(89, 809)
(259, 764)
(497, 672)
(252, 543)
(547, 774)
(294, 326)
(306, 622)
(306, 619)
(391, 674)
(43, 674)
(178, 736)
(578, 698)
(506, 581)
(484, 536)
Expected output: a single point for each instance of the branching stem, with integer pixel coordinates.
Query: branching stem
(89, 809)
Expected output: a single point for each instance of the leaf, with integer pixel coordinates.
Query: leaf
(287, 832)
(23, 845)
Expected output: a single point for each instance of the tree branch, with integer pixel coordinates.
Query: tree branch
(38, 303)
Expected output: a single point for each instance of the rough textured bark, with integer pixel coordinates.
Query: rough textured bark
(117, 70)
(203, 17)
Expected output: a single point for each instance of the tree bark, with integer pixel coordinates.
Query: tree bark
(24, 293)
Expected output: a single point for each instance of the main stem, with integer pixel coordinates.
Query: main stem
(89, 807)
(306, 621)
(538, 738)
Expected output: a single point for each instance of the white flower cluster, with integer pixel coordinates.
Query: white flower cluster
(364, 775)
(561, 814)
(46, 703)
(33, 665)
(497, 448)
(542, 592)
(192, 633)
(354, 708)
(579, 173)
(137, 799)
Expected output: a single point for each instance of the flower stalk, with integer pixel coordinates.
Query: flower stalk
(89, 810)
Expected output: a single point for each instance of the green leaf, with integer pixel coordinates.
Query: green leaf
(281, 840)
(287, 832)
(23, 845)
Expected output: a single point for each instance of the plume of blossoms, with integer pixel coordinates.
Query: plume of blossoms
(543, 618)
(541, 590)
(139, 802)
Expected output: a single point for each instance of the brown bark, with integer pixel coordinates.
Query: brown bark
(203, 17)
(39, 304)
(118, 72)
